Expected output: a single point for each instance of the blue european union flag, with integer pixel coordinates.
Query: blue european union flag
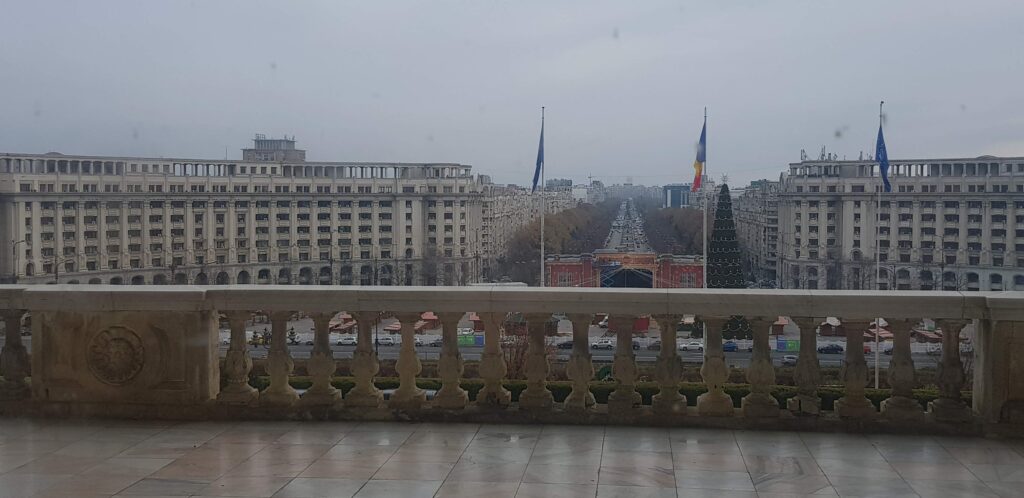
(883, 160)
(540, 158)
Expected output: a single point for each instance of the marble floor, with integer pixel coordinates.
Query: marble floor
(46, 458)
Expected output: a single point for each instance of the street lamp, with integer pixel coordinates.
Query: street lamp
(56, 268)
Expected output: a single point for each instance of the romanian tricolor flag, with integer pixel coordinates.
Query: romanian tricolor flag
(698, 165)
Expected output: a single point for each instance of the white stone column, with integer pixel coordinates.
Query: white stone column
(854, 404)
(408, 396)
(279, 362)
(237, 363)
(714, 403)
(624, 398)
(364, 364)
(14, 358)
(950, 377)
(902, 377)
(536, 395)
(580, 368)
(321, 365)
(492, 364)
(451, 396)
(668, 370)
(807, 373)
(760, 374)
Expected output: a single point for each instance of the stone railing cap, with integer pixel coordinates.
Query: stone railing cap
(115, 298)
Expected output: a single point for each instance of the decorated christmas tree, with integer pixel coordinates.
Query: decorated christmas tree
(724, 268)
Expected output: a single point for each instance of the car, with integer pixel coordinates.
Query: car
(603, 344)
(654, 346)
(887, 351)
(830, 349)
(436, 343)
(386, 341)
(564, 345)
(603, 323)
(730, 347)
(416, 341)
(348, 341)
(789, 360)
(636, 344)
(691, 346)
(867, 349)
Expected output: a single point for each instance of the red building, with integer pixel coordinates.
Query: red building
(616, 269)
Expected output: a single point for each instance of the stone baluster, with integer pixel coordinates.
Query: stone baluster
(624, 398)
(408, 396)
(492, 364)
(854, 403)
(760, 374)
(902, 377)
(451, 396)
(321, 366)
(280, 363)
(14, 358)
(536, 396)
(668, 369)
(364, 364)
(950, 377)
(237, 363)
(580, 368)
(714, 403)
(807, 373)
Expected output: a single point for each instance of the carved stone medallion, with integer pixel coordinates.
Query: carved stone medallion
(115, 355)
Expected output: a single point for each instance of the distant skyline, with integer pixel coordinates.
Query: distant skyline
(624, 83)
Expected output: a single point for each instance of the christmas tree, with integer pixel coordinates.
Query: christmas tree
(723, 262)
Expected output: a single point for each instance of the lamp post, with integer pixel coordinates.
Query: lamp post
(56, 268)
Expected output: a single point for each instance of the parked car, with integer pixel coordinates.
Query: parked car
(348, 341)
(416, 341)
(867, 349)
(655, 346)
(789, 360)
(730, 347)
(603, 344)
(888, 351)
(830, 349)
(636, 344)
(603, 323)
(691, 346)
(386, 341)
(436, 343)
(564, 345)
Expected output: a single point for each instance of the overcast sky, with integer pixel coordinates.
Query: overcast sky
(624, 82)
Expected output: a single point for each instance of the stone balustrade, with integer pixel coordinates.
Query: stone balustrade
(153, 352)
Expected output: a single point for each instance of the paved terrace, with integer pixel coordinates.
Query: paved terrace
(390, 459)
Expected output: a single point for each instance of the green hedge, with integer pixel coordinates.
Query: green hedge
(560, 390)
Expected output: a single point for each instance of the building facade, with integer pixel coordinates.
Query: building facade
(606, 268)
(756, 212)
(272, 217)
(676, 195)
(953, 224)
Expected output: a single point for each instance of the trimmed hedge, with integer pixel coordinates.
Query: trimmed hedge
(560, 390)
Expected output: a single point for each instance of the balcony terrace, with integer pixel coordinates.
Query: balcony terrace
(151, 354)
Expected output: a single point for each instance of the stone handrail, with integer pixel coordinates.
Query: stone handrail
(118, 350)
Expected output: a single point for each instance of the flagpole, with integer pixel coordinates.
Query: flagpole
(878, 245)
(703, 173)
(543, 207)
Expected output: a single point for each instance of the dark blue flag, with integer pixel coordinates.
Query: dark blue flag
(540, 157)
(883, 159)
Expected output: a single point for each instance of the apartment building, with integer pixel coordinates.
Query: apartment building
(272, 217)
(509, 208)
(953, 224)
(756, 212)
